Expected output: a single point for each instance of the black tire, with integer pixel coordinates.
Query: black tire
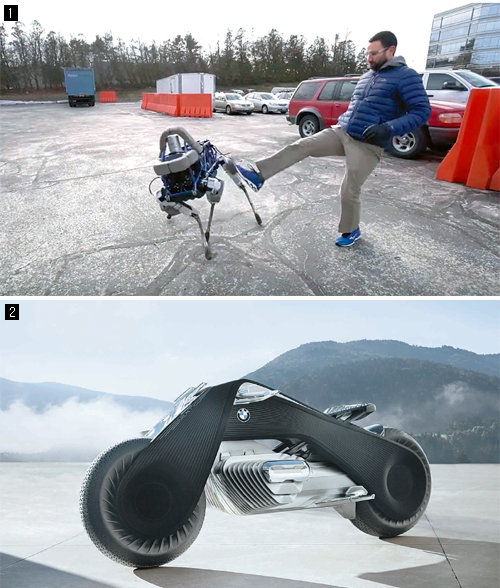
(308, 126)
(265, 109)
(410, 145)
(228, 110)
(127, 539)
(370, 519)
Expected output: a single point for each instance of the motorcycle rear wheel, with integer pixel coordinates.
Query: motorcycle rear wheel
(371, 520)
(117, 531)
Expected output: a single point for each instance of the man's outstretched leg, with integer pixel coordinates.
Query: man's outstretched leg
(326, 142)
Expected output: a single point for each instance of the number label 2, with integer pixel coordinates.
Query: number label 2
(12, 312)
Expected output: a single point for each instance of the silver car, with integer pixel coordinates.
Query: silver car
(453, 85)
(284, 97)
(266, 102)
(232, 103)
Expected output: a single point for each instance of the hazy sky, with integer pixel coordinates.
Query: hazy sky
(208, 21)
(158, 348)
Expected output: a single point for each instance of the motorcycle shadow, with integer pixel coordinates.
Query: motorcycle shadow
(464, 562)
(172, 577)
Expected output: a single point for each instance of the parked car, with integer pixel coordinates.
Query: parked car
(285, 96)
(232, 103)
(240, 92)
(318, 103)
(266, 102)
(279, 89)
(453, 85)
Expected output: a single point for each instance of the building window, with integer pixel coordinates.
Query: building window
(487, 43)
(436, 23)
(491, 10)
(488, 27)
(492, 57)
(455, 18)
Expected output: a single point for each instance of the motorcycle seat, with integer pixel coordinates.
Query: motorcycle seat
(350, 412)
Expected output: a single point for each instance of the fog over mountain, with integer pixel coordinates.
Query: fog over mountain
(56, 422)
(419, 389)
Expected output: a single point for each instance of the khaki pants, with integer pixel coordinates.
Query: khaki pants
(361, 160)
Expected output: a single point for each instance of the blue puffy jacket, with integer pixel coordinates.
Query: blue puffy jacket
(394, 94)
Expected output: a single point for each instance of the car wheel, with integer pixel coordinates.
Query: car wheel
(228, 110)
(265, 109)
(308, 126)
(410, 145)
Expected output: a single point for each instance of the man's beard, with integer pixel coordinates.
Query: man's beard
(376, 66)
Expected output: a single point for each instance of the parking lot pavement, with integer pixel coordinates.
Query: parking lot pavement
(77, 218)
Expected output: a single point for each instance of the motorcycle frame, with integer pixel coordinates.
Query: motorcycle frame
(182, 453)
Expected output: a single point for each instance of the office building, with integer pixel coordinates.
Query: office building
(467, 37)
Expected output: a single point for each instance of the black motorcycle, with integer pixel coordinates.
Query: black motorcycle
(248, 449)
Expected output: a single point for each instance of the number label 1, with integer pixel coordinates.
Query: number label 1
(10, 12)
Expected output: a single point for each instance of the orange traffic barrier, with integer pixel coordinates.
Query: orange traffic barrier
(199, 105)
(166, 103)
(475, 157)
(107, 96)
(495, 181)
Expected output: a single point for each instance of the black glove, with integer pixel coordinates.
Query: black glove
(377, 134)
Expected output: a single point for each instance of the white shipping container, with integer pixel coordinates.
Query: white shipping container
(187, 83)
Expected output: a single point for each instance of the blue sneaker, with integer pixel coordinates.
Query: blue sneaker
(252, 176)
(348, 239)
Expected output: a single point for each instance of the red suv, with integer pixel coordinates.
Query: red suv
(318, 103)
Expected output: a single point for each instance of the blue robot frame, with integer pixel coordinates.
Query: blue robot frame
(188, 170)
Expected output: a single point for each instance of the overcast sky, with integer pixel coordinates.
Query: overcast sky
(208, 21)
(158, 348)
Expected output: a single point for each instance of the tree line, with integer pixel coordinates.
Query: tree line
(33, 60)
(465, 442)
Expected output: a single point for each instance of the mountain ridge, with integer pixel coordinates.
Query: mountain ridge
(39, 396)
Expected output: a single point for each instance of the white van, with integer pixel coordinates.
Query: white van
(453, 85)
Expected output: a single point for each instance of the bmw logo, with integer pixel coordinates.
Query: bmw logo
(243, 415)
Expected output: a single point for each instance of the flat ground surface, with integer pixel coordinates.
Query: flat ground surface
(455, 544)
(77, 218)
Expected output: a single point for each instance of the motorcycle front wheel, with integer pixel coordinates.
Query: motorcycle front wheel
(372, 520)
(133, 529)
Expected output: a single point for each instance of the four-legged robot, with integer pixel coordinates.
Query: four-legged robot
(189, 171)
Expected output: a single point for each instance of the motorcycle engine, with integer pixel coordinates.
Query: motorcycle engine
(248, 478)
